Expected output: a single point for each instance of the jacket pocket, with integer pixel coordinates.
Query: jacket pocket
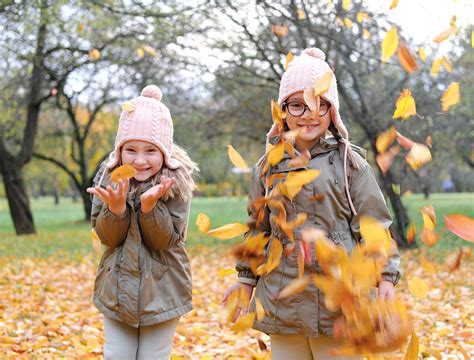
(343, 238)
(152, 287)
(106, 282)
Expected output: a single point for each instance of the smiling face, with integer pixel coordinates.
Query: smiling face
(145, 157)
(310, 127)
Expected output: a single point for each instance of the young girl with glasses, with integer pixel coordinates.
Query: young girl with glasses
(143, 283)
(300, 326)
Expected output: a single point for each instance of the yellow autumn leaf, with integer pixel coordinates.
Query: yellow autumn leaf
(405, 105)
(301, 14)
(413, 348)
(422, 53)
(394, 4)
(426, 265)
(289, 58)
(323, 84)
(428, 223)
(94, 54)
(80, 28)
(444, 35)
(446, 64)
(276, 154)
(96, 244)
(386, 139)
(450, 97)
(294, 287)
(418, 156)
(128, 106)
(235, 158)
(429, 237)
(140, 52)
(301, 178)
(435, 67)
(418, 287)
(229, 231)
(203, 222)
(260, 311)
(226, 272)
(411, 233)
(274, 256)
(346, 4)
(123, 172)
(277, 114)
(376, 238)
(348, 23)
(243, 323)
(389, 44)
(361, 16)
(366, 34)
(149, 50)
(429, 211)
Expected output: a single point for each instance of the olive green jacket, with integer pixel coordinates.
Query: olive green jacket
(305, 313)
(144, 276)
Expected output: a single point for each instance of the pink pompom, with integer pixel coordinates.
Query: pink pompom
(315, 52)
(152, 91)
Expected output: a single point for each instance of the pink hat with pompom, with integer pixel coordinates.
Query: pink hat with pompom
(302, 73)
(146, 118)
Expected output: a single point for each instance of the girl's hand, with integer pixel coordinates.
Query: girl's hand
(114, 198)
(236, 287)
(386, 290)
(150, 197)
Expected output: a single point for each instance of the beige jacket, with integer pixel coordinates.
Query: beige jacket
(144, 276)
(305, 313)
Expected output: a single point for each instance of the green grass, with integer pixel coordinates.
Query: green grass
(62, 232)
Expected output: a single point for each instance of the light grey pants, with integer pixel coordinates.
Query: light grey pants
(300, 347)
(124, 342)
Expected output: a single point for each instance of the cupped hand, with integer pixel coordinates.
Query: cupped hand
(386, 291)
(236, 287)
(114, 198)
(150, 197)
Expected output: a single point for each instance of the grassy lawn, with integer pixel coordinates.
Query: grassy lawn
(62, 231)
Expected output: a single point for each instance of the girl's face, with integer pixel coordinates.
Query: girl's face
(145, 157)
(310, 127)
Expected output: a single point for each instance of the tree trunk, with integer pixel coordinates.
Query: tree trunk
(16, 195)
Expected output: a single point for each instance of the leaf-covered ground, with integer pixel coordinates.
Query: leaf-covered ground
(46, 311)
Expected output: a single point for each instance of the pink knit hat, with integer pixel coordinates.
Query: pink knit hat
(302, 74)
(147, 119)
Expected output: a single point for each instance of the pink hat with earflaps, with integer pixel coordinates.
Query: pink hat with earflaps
(302, 74)
(146, 118)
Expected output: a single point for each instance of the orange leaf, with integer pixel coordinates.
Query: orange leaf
(236, 159)
(413, 348)
(301, 160)
(229, 231)
(385, 139)
(294, 287)
(289, 58)
(389, 44)
(406, 58)
(411, 232)
(300, 261)
(280, 30)
(460, 225)
(394, 4)
(123, 172)
(260, 311)
(450, 96)
(94, 54)
(444, 35)
(418, 156)
(96, 244)
(385, 160)
(429, 237)
(453, 261)
(275, 155)
(404, 142)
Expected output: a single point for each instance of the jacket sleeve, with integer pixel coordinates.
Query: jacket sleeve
(369, 201)
(256, 190)
(111, 229)
(166, 225)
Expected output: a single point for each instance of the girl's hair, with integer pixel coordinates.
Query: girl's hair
(184, 183)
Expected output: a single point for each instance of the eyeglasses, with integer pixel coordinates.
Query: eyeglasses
(298, 108)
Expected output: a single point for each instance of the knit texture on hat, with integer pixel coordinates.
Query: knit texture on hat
(302, 74)
(149, 121)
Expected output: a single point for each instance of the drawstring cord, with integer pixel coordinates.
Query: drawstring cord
(346, 179)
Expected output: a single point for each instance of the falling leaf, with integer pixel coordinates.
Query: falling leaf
(300, 262)
(446, 64)
(123, 172)
(310, 100)
(301, 160)
(277, 115)
(411, 233)
(418, 287)
(294, 287)
(203, 222)
(386, 139)
(129, 106)
(422, 53)
(385, 160)
(406, 58)
(301, 178)
(289, 58)
(429, 216)
(280, 30)
(301, 14)
(80, 28)
(413, 348)
(460, 225)
(149, 50)
(404, 142)
(435, 67)
(426, 265)
(348, 23)
(235, 158)
(405, 105)
(275, 155)
(96, 244)
(260, 311)
(453, 261)
(244, 322)
(375, 236)
(346, 4)
(389, 44)
(323, 84)
(274, 256)
(94, 54)
(140, 52)
(450, 97)
(366, 34)
(361, 16)
(444, 35)
(226, 272)
(418, 156)
(229, 231)
(429, 141)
